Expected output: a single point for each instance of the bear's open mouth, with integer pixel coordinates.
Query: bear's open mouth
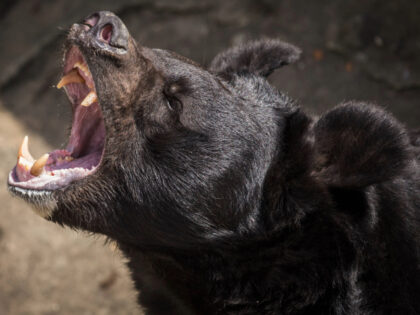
(85, 147)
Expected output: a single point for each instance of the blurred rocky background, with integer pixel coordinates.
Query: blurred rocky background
(353, 50)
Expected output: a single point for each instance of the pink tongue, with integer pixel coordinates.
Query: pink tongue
(58, 160)
(86, 162)
(55, 159)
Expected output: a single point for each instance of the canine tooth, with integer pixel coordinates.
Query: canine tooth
(39, 164)
(82, 67)
(72, 77)
(86, 72)
(24, 151)
(89, 99)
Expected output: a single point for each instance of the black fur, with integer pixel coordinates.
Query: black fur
(226, 198)
(259, 57)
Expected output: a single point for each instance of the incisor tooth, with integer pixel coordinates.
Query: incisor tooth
(22, 163)
(89, 99)
(22, 169)
(72, 77)
(39, 164)
(24, 150)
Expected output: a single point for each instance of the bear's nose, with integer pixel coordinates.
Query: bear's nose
(108, 28)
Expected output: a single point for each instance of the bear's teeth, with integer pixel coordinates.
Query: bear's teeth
(23, 164)
(82, 67)
(72, 77)
(39, 164)
(89, 99)
(24, 151)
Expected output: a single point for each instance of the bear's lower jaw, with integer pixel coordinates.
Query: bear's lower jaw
(42, 201)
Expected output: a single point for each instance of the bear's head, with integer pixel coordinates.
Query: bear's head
(163, 151)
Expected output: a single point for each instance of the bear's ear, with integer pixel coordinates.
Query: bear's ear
(260, 57)
(357, 145)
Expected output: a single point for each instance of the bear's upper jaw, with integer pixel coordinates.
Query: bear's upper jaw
(85, 147)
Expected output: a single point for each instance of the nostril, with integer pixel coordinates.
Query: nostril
(106, 33)
(92, 20)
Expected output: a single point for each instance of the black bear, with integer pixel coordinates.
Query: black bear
(226, 197)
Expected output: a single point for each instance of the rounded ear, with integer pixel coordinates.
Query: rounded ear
(358, 144)
(260, 57)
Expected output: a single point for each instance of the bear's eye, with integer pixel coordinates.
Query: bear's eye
(169, 105)
(171, 93)
(173, 103)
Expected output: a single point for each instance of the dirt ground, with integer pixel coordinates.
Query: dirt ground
(363, 49)
(45, 269)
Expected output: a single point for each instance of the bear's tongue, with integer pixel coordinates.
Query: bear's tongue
(49, 164)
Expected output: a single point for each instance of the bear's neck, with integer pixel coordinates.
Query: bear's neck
(248, 277)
